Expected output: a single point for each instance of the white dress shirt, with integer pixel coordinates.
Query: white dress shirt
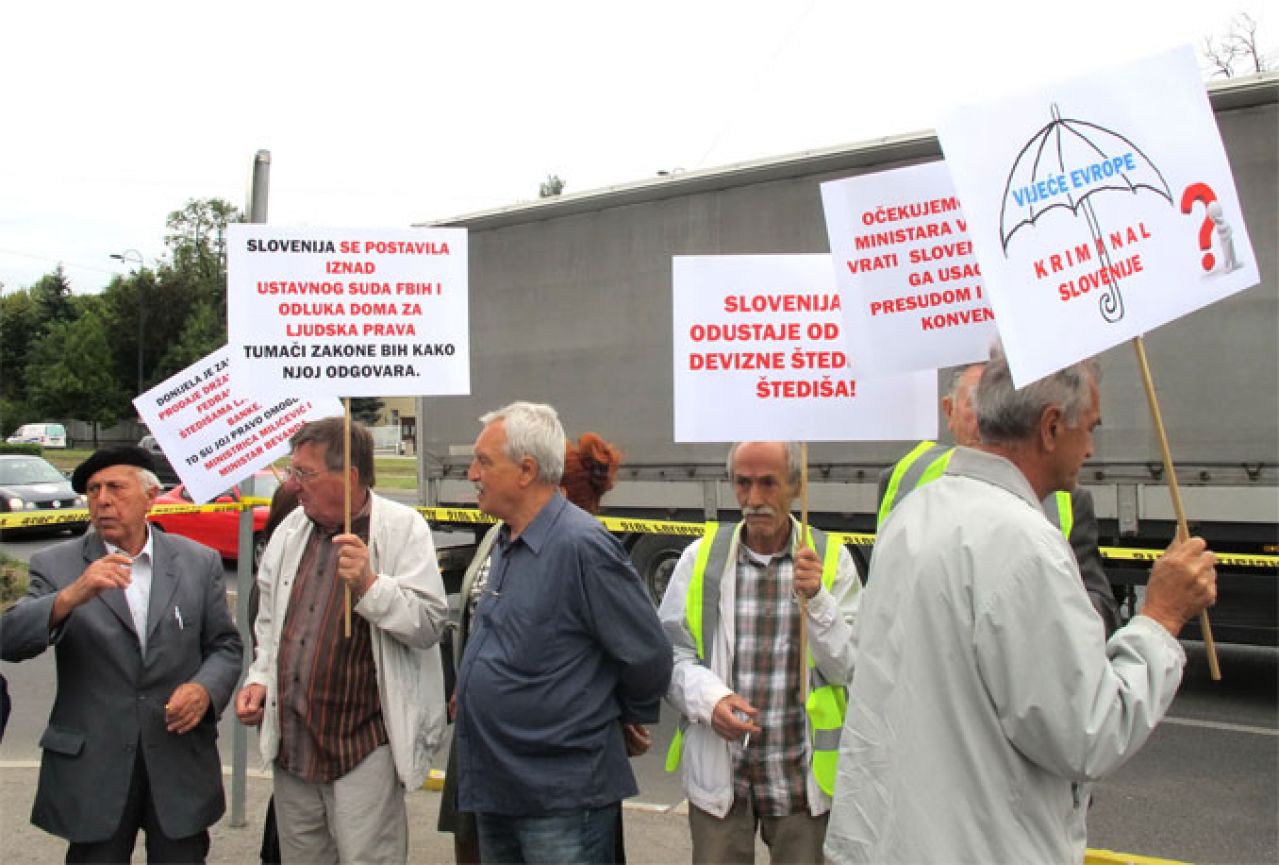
(138, 592)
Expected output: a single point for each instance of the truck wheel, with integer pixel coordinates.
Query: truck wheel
(655, 557)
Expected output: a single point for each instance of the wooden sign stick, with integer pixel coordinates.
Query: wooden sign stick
(803, 601)
(1183, 528)
(346, 487)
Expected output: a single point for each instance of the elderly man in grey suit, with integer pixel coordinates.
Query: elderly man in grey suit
(147, 659)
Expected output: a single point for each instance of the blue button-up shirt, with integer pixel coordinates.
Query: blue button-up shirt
(565, 645)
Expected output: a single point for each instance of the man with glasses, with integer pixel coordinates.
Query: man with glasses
(349, 722)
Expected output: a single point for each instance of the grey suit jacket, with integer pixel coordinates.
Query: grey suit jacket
(110, 700)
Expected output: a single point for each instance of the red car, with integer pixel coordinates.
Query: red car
(220, 529)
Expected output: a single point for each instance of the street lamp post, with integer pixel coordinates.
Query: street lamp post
(127, 256)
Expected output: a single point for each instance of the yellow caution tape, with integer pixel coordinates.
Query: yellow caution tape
(653, 527)
(195, 509)
(1239, 560)
(29, 519)
(456, 515)
(1110, 857)
(861, 539)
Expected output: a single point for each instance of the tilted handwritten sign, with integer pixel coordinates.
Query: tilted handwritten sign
(214, 431)
(1099, 209)
(911, 286)
(760, 353)
(349, 312)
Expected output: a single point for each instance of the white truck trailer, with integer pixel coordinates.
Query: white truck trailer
(570, 305)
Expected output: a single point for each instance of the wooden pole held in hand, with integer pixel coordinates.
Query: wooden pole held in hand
(1174, 490)
(346, 489)
(803, 541)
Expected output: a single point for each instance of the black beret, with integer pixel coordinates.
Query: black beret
(124, 455)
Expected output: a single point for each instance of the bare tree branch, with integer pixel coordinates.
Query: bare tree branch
(1237, 49)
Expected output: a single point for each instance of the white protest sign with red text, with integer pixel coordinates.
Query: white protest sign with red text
(1100, 208)
(215, 431)
(760, 353)
(912, 290)
(349, 312)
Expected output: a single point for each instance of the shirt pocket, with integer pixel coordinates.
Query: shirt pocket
(527, 625)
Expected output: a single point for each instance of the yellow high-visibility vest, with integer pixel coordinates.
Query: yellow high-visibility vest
(826, 704)
(928, 461)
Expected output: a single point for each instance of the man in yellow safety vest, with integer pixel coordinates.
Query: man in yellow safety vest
(759, 737)
(1072, 511)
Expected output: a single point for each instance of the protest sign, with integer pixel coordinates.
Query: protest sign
(215, 431)
(1099, 208)
(760, 353)
(349, 312)
(911, 287)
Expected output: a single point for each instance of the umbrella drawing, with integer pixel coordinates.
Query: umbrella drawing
(1064, 166)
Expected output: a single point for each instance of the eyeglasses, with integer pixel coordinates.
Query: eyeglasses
(302, 476)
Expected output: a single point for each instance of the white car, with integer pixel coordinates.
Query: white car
(49, 435)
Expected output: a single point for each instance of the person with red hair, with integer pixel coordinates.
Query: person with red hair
(590, 470)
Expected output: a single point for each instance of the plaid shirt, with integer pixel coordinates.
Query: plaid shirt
(772, 769)
(330, 710)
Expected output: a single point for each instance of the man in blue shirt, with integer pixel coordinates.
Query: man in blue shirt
(565, 647)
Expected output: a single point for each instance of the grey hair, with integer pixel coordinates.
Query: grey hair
(794, 467)
(533, 430)
(1006, 414)
(957, 377)
(148, 479)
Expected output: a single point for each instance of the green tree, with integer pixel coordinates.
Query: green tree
(26, 315)
(192, 286)
(203, 332)
(19, 323)
(179, 307)
(66, 376)
(159, 318)
(366, 409)
(552, 186)
(52, 296)
(197, 232)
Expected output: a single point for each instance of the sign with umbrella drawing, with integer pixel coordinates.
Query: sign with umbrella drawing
(1099, 209)
(1047, 164)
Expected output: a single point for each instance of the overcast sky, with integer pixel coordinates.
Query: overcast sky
(384, 113)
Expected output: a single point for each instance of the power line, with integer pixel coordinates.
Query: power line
(62, 261)
(759, 76)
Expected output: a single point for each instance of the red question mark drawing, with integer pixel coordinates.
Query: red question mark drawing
(1201, 192)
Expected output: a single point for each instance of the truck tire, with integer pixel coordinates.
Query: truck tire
(654, 557)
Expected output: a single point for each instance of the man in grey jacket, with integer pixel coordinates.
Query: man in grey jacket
(985, 698)
(147, 659)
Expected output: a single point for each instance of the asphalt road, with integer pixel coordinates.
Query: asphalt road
(1204, 789)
